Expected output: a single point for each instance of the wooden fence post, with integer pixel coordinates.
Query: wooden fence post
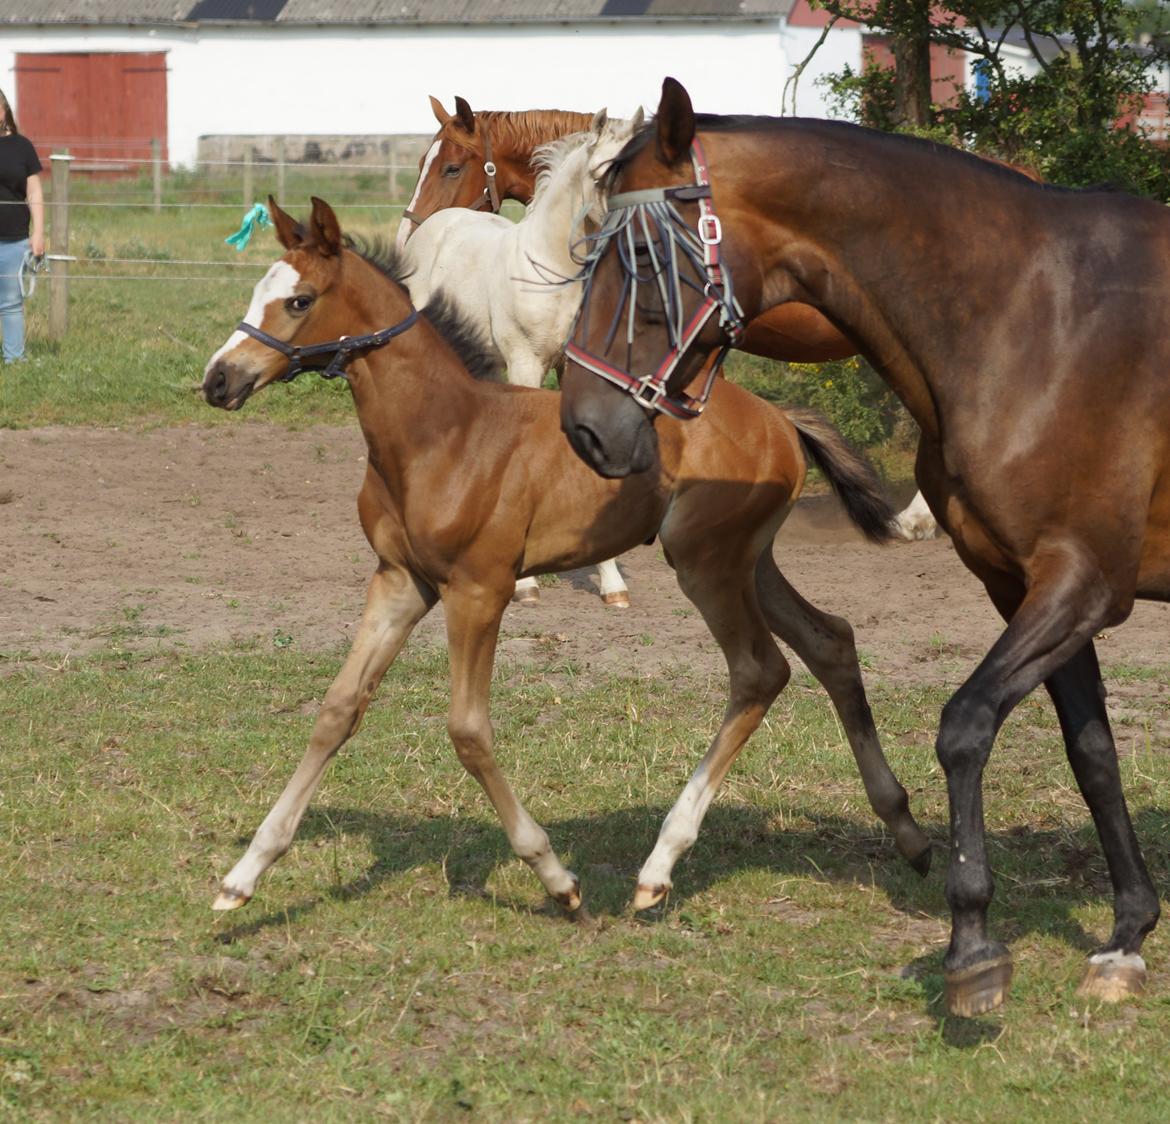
(156, 166)
(248, 191)
(59, 244)
(280, 165)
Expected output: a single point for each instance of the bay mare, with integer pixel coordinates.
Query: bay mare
(1025, 328)
(452, 175)
(469, 484)
(508, 279)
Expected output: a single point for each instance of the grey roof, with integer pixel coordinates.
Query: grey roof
(366, 12)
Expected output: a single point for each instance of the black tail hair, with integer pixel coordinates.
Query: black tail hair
(851, 476)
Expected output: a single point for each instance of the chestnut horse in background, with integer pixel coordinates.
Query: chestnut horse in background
(470, 483)
(454, 173)
(1026, 328)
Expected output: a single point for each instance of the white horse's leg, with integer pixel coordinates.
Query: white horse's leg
(394, 605)
(916, 522)
(613, 589)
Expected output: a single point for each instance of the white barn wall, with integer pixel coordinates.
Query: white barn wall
(287, 79)
(841, 48)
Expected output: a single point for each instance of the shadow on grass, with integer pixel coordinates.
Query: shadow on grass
(1044, 876)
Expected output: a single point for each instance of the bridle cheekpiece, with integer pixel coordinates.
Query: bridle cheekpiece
(649, 213)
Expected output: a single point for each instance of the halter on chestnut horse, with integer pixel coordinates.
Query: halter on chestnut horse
(1025, 328)
(470, 483)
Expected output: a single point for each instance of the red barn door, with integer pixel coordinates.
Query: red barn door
(105, 108)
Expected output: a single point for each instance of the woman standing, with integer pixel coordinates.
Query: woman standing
(22, 205)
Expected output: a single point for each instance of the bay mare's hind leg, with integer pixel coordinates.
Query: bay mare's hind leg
(395, 603)
(722, 589)
(825, 644)
(1067, 601)
(473, 623)
(1117, 970)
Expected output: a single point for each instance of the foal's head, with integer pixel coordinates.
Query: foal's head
(302, 300)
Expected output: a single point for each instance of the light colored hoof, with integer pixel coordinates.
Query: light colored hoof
(229, 899)
(978, 989)
(570, 900)
(1113, 976)
(528, 596)
(619, 600)
(646, 897)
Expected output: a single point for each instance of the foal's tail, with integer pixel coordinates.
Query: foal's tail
(851, 476)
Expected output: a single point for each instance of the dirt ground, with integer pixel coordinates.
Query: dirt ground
(191, 537)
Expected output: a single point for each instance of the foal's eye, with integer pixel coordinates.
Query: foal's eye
(452, 170)
(302, 302)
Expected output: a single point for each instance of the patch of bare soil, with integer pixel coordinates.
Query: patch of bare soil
(193, 537)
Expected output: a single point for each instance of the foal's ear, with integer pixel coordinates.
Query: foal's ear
(637, 121)
(289, 232)
(326, 228)
(441, 115)
(464, 114)
(599, 120)
(676, 122)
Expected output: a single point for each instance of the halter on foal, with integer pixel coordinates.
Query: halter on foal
(1034, 359)
(453, 514)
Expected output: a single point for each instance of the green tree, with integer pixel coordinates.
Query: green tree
(1096, 60)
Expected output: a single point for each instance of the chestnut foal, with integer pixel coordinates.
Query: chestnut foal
(470, 484)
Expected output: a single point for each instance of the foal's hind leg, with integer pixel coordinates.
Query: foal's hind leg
(726, 598)
(395, 603)
(473, 623)
(825, 644)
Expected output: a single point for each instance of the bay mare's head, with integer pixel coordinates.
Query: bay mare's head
(606, 426)
(451, 173)
(299, 301)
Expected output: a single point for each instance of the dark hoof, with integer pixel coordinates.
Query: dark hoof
(980, 988)
(570, 900)
(1113, 976)
(921, 862)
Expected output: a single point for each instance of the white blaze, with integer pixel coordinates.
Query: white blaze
(404, 225)
(279, 283)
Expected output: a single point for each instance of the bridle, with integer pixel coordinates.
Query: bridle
(490, 196)
(667, 240)
(341, 350)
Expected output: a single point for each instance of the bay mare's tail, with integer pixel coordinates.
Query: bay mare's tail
(851, 476)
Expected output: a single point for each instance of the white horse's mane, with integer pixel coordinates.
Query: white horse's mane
(548, 158)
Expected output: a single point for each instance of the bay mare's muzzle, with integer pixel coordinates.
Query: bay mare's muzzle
(606, 427)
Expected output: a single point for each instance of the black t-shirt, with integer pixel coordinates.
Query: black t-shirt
(18, 161)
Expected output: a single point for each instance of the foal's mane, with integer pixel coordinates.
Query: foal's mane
(522, 130)
(461, 335)
(547, 158)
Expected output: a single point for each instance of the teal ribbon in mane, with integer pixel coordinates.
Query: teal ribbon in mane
(256, 217)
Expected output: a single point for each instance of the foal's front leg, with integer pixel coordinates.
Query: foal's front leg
(473, 623)
(395, 603)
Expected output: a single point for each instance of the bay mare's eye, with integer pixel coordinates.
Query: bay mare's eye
(302, 302)
(452, 170)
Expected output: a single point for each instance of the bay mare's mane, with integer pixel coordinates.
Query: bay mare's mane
(521, 130)
(460, 333)
(720, 123)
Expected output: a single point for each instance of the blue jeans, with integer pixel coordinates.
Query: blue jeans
(11, 302)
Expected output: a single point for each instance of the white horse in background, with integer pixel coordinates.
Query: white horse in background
(509, 278)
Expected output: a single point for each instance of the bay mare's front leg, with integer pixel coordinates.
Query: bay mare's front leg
(825, 644)
(1068, 599)
(474, 610)
(395, 602)
(724, 594)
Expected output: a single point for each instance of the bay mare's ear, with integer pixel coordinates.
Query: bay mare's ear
(326, 229)
(676, 122)
(289, 232)
(441, 115)
(464, 115)
(599, 120)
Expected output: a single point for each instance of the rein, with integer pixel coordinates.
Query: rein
(489, 199)
(668, 242)
(341, 350)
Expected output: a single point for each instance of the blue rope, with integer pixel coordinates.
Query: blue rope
(256, 217)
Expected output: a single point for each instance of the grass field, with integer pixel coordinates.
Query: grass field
(398, 963)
